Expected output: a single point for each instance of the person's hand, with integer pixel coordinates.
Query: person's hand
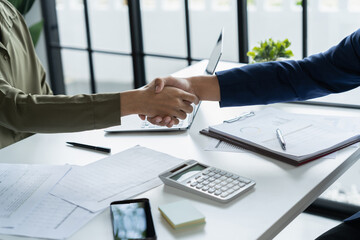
(159, 84)
(170, 101)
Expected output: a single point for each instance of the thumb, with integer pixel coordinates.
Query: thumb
(159, 84)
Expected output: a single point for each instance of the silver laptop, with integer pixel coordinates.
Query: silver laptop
(133, 123)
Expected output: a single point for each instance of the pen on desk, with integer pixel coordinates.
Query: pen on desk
(102, 149)
(281, 139)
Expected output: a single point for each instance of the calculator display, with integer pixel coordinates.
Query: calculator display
(188, 173)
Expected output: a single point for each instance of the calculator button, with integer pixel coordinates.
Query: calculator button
(217, 187)
(245, 180)
(236, 187)
(230, 191)
(222, 173)
(211, 190)
(235, 177)
(211, 179)
(211, 174)
(236, 182)
(205, 177)
(223, 183)
(230, 185)
(229, 175)
(197, 177)
(200, 180)
(217, 181)
(205, 188)
(212, 169)
(217, 176)
(217, 171)
(229, 180)
(212, 184)
(224, 189)
(217, 192)
(223, 178)
(241, 184)
(224, 194)
(206, 172)
(194, 184)
(199, 186)
(206, 182)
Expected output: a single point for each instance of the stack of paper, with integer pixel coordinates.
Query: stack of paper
(53, 202)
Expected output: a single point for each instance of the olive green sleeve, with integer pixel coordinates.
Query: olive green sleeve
(23, 112)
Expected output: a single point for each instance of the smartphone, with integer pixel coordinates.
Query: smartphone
(131, 219)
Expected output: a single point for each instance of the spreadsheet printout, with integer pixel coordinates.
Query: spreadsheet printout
(96, 185)
(22, 186)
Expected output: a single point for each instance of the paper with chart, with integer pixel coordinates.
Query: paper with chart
(96, 185)
(22, 186)
(222, 146)
(303, 136)
(51, 218)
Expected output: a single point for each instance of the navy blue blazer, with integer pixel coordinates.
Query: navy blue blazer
(336, 70)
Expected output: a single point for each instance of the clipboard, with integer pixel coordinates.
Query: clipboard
(228, 132)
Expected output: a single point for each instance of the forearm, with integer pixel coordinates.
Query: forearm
(336, 70)
(205, 87)
(50, 114)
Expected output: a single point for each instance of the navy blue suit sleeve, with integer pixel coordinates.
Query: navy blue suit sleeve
(336, 70)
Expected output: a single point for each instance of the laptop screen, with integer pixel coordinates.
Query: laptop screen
(215, 55)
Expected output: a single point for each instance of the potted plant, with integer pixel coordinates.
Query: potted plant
(269, 50)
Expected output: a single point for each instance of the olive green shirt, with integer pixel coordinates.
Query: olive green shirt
(26, 102)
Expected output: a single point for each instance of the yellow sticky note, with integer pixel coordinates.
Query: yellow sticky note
(181, 214)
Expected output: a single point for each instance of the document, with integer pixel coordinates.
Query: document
(222, 146)
(22, 186)
(51, 218)
(306, 137)
(96, 185)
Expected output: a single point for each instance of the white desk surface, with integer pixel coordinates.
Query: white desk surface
(281, 193)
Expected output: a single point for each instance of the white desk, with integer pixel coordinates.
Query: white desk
(282, 191)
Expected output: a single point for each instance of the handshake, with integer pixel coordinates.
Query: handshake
(166, 100)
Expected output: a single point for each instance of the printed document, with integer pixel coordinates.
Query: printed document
(96, 185)
(22, 186)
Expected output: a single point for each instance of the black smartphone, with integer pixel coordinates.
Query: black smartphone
(131, 219)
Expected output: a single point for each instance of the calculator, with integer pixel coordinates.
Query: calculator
(207, 181)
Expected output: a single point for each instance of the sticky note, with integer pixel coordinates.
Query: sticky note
(181, 214)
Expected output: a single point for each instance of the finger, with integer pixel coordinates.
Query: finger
(186, 107)
(190, 97)
(180, 114)
(142, 117)
(159, 84)
(156, 120)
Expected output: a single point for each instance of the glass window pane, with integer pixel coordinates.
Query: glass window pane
(163, 24)
(76, 71)
(109, 23)
(113, 73)
(207, 18)
(71, 22)
(329, 22)
(276, 19)
(162, 67)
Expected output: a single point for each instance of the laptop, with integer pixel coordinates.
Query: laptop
(133, 123)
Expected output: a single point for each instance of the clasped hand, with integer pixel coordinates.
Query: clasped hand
(171, 101)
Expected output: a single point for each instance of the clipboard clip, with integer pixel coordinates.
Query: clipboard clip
(241, 117)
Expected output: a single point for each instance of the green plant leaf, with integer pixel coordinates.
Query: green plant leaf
(23, 6)
(35, 31)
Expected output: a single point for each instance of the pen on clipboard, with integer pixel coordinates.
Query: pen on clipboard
(101, 149)
(281, 139)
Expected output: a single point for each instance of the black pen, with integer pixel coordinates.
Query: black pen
(281, 139)
(102, 149)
